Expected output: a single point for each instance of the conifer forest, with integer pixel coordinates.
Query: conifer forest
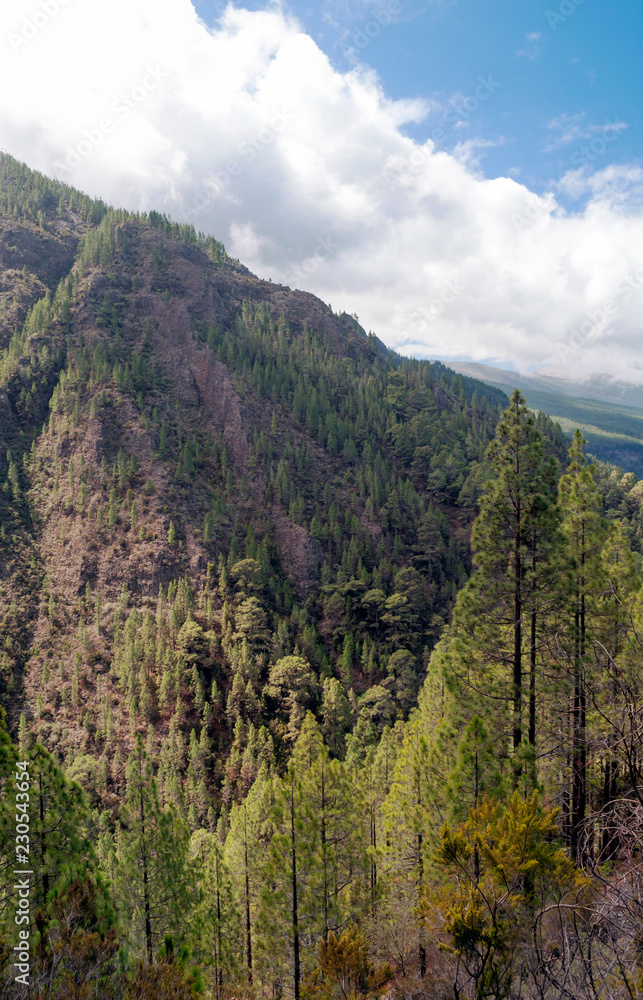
(321, 668)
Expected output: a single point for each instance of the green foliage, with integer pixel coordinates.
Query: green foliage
(59, 846)
(498, 867)
(278, 820)
(499, 637)
(28, 195)
(292, 687)
(217, 918)
(148, 862)
(614, 432)
(344, 965)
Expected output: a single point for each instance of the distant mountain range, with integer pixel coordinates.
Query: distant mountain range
(609, 412)
(602, 388)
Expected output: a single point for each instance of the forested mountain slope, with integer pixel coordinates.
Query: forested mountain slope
(277, 721)
(41, 223)
(221, 472)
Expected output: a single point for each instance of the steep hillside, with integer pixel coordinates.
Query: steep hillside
(233, 531)
(41, 223)
(223, 504)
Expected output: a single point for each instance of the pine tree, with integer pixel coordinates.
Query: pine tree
(500, 864)
(217, 920)
(285, 903)
(517, 554)
(337, 886)
(585, 531)
(336, 715)
(410, 800)
(245, 856)
(149, 861)
(60, 849)
(375, 785)
(475, 772)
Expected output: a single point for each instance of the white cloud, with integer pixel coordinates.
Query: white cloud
(248, 130)
(620, 187)
(534, 50)
(566, 129)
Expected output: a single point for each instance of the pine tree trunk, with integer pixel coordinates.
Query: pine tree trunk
(532, 700)
(532, 683)
(146, 886)
(373, 865)
(579, 749)
(295, 914)
(218, 972)
(323, 846)
(216, 966)
(476, 782)
(532, 665)
(609, 838)
(247, 880)
(421, 945)
(517, 657)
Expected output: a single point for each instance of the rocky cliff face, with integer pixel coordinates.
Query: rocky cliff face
(33, 260)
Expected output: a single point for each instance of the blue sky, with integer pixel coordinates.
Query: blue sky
(563, 77)
(466, 176)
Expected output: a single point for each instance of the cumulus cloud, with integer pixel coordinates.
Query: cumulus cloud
(307, 175)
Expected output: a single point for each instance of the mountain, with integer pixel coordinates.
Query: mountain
(609, 412)
(183, 442)
(601, 388)
(267, 726)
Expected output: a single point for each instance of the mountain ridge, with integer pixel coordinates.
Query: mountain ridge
(182, 440)
(599, 387)
(170, 417)
(259, 648)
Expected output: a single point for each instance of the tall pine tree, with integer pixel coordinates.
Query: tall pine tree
(149, 862)
(517, 555)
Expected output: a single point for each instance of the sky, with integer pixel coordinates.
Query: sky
(466, 178)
